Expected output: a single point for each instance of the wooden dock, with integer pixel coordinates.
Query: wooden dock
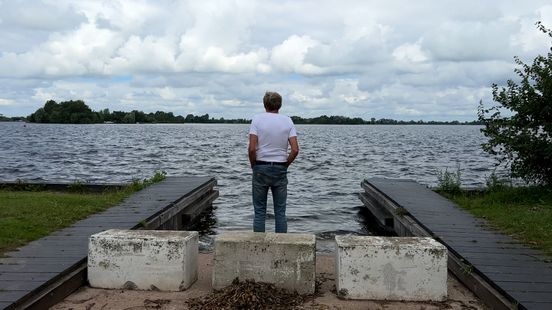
(47, 270)
(504, 273)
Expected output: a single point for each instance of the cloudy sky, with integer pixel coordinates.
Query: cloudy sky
(394, 59)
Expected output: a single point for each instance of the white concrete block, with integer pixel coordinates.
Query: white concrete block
(391, 268)
(285, 260)
(143, 259)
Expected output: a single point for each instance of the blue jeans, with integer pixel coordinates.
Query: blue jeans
(273, 177)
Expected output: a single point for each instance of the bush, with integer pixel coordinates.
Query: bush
(523, 140)
(449, 182)
(494, 183)
(138, 184)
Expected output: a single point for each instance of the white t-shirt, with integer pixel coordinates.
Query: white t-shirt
(273, 131)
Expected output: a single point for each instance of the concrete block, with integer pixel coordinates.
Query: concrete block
(285, 260)
(391, 268)
(143, 259)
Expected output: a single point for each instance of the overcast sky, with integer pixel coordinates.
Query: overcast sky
(394, 59)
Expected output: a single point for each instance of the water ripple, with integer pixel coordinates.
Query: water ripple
(322, 183)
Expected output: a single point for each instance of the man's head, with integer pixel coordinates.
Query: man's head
(272, 101)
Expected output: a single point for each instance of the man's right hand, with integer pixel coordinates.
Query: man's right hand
(294, 150)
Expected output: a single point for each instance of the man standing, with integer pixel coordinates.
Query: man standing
(269, 137)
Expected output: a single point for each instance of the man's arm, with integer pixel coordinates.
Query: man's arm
(253, 139)
(294, 150)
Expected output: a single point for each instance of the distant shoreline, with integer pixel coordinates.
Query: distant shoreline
(77, 112)
(218, 123)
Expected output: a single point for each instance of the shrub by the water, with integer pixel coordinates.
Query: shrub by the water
(449, 182)
(523, 140)
(138, 184)
(494, 183)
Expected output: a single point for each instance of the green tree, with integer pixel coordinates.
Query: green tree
(129, 118)
(118, 116)
(39, 116)
(523, 137)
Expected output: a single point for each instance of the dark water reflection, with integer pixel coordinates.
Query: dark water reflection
(323, 184)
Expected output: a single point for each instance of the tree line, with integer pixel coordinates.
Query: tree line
(344, 120)
(77, 112)
(12, 119)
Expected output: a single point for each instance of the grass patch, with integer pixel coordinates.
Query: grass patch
(522, 212)
(29, 215)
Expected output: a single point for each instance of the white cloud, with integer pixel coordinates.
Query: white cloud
(231, 103)
(214, 59)
(6, 101)
(346, 91)
(527, 38)
(471, 40)
(401, 110)
(150, 54)
(41, 95)
(290, 55)
(167, 93)
(311, 98)
(410, 52)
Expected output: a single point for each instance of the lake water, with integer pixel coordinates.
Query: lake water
(323, 182)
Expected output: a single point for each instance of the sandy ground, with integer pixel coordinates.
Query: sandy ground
(88, 298)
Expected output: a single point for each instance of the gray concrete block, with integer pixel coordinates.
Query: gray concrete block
(391, 268)
(286, 260)
(143, 259)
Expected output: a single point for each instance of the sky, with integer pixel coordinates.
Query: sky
(428, 60)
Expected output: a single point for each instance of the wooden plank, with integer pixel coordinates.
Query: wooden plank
(474, 232)
(49, 248)
(524, 275)
(541, 297)
(20, 285)
(48, 254)
(27, 276)
(56, 291)
(106, 225)
(72, 240)
(478, 285)
(191, 213)
(381, 214)
(161, 217)
(35, 268)
(467, 244)
(481, 261)
(497, 250)
(517, 276)
(536, 306)
(124, 216)
(76, 230)
(507, 254)
(11, 295)
(4, 304)
(526, 286)
(30, 261)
